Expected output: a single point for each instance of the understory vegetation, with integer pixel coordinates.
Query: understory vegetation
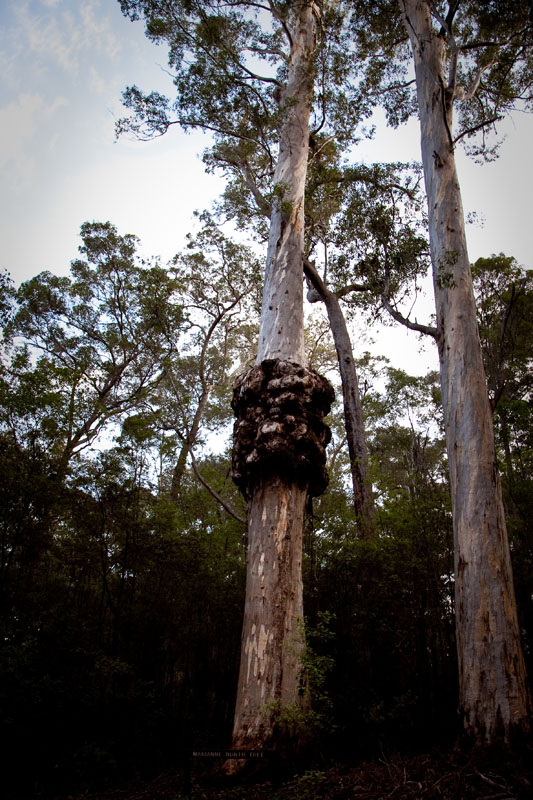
(122, 574)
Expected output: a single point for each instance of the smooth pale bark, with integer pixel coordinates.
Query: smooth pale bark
(272, 639)
(282, 324)
(494, 697)
(353, 410)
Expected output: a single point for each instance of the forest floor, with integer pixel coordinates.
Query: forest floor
(421, 777)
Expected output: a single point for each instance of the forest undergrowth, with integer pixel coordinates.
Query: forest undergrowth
(442, 775)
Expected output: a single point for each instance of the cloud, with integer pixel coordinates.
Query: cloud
(65, 35)
(97, 30)
(97, 84)
(20, 123)
(17, 128)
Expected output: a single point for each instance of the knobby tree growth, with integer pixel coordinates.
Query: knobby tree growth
(120, 609)
(244, 121)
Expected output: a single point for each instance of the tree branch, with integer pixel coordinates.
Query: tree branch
(314, 278)
(226, 506)
(467, 94)
(444, 92)
(476, 45)
(428, 330)
(258, 196)
(351, 287)
(481, 125)
(503, 327)
(320, 287)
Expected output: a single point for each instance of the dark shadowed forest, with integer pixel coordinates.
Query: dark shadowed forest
(123, 578)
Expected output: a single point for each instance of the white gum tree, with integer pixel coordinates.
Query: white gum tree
(472, 64)
(493, 689)
(281, 386)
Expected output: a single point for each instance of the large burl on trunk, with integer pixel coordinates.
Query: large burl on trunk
(278, 457)
(280, 408)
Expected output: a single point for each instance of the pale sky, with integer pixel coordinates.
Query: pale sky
(64, 64)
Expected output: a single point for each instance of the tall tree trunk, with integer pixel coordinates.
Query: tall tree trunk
(365, 511)
(492, 681)
(279, 435)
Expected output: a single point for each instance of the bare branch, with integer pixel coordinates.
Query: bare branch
(352, 287)
(269, 52)
(393, 86)
(444, 96)
(429, 330)
(225, 505)
(314, 278)
(443, 21)
(254, 75)
(467, 94)
(258, 196)
(475, 128)
(281, 19)
(322, 146)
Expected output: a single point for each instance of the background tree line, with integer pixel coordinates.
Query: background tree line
(122, 587)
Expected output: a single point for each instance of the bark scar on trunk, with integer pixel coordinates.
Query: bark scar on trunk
(280, 430)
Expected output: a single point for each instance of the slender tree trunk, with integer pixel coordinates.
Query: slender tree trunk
(279, 437)
(188, 444)
(353, 411)
(493, 690)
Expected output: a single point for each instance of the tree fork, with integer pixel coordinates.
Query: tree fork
(353, 411)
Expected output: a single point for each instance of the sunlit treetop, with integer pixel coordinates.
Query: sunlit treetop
(487, 67)
(229, 64)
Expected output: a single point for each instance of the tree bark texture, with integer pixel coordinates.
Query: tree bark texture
(279, 436)
(272, 640)
(281, 333)
(353, 420)
(494, 698)
(278, 458)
